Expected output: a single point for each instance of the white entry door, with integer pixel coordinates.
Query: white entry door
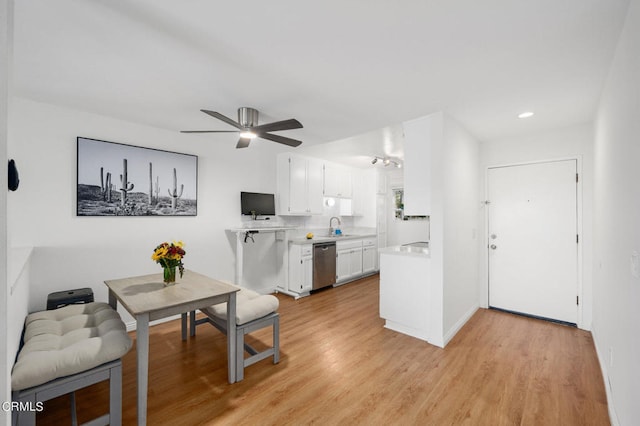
(533, 239)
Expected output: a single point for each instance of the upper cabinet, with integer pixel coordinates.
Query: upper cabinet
(381, 183)
(417, 173)
(300, 185)
(337, 181)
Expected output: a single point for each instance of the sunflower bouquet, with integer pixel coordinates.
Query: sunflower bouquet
(169, 256)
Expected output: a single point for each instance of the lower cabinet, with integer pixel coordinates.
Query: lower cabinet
(300, 268)
(349, 260)
(369, 255)
(354, 259)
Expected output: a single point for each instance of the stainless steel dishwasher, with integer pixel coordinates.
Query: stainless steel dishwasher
(324, 264)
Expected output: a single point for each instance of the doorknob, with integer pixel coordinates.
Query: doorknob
(493, 246)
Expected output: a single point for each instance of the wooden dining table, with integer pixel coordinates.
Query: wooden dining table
(147, 299)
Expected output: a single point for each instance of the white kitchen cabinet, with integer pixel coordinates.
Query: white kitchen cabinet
(300, 268)
(381, 183)
(358, 193)
(299, 185)
(369, 255)
(349, 260)
(337, 181)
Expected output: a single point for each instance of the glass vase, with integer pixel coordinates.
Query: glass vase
(169, 275)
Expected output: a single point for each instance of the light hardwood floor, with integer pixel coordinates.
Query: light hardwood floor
(340, 366)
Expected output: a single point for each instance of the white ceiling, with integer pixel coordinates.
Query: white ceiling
(343, 68)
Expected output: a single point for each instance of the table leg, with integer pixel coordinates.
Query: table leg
(142, 349)
(231, 337)
(113, 302)
(184, 326)
(239, 257)
(192, 323)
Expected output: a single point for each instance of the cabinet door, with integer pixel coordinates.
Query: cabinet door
(298, 185)
(346, 184)
(331, 181)
(355, 262)
(295, 269)
(381, 182)
(307, 273)
(337, 181)
(368, 259)
(314, 187)
(358, 193)
(343, 265)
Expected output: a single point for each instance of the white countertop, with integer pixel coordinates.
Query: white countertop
(263, 228)
(324, 238)
(420, 250)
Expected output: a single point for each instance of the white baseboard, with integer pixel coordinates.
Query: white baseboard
(613, 417)
(458, 325)
(409, 331)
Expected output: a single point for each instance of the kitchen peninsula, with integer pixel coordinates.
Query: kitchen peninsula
(356, 255)
(406, 299)
(246, 233)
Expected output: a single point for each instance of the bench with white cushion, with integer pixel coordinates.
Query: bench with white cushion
(68, 349)
(254, 311)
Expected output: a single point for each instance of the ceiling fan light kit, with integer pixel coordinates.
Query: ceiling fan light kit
(248, 127)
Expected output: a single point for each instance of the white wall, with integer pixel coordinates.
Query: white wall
(616, 289)
(72, 252)
(6, 360)
(461, 156)
(436, 227)
(453, 224)
(570, 142)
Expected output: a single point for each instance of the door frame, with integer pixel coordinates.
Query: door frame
(484, 291)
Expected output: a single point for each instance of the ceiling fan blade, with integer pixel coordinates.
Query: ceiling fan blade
(208, 131)
(243, 143)
(279, 139)
(278, 125)
(223, 118)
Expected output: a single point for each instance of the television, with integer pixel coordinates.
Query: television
(257, 204)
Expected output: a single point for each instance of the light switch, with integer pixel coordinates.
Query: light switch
(635, 264)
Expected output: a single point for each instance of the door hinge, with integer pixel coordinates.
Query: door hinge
(577, 300)
(577, 239)
(577, 179)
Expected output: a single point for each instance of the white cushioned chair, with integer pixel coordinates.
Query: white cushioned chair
(253, 312)
(67, 349)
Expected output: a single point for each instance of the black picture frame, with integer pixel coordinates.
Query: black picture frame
(156, 182)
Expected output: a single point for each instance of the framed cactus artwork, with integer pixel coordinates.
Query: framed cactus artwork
(115, 179)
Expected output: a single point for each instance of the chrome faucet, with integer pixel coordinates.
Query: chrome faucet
(331, 226)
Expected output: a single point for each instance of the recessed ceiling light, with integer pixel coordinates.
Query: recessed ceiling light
(525, 114)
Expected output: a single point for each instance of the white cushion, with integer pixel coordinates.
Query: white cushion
(67, 341)
(249, 306)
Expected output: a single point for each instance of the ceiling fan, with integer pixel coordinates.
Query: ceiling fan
(248, 127)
